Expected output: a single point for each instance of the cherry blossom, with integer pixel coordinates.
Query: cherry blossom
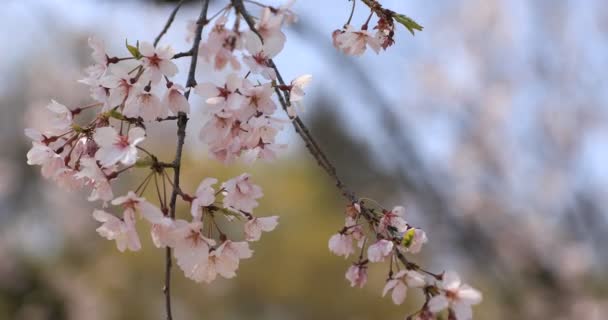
(205, 196)
(379, 250)
(100, 57)
(394, 219)
(150, 212)
(146, 105)
(357, 275)
(61, 117)
(455, 295)
(46, 157)
(191, 250)
(114, 148)
(224, 260)
(258, 99)
(241, 194)
(119, 85)
(93, 174)
(341, 244)
(220, 46)
(296, 93)
(174, 100)
(415, 239)
(260, 54)
(400, 282)
(222, 98)
(353, 42)
(157, 62)
(255, 226)
(123, 231)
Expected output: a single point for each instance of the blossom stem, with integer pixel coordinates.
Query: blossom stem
(352, 12)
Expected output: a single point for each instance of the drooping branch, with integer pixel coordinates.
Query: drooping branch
(182, 121)
(169, 22)
(313, 146)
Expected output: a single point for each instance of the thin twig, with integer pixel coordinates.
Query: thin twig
(169, 22)
(182, 121)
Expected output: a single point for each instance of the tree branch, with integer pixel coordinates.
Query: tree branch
(312, 145)
(182, 121)
(169, 22)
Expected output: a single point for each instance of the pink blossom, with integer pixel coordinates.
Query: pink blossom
(61, 117)
(224, 260)
(357, 275)
(455, 295)
(394, 219)
(354, 42)
(157, 62)
(123, 231)
(100, 57)
(296, 94)
(90, 170)
(254, 227)
(241, 194)
(269, 26)
(146, 105)
(175, 101)
(341, 244)
(191, 250)
(379, 250)
(400, 282)
(220, 46)
(205, 196)
(46, 157)
(258, 99)
(114, 148)
(222, 98)
(120, 85)
(147, 210)
(261, 53)
(418, 239)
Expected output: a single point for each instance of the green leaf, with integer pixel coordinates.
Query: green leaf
(134, 50)
(408, 237)
(408, 22)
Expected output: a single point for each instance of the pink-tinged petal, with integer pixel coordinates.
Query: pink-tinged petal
(146, 49)
(105, 136)
(451, 281)
(438, 303)
(399, 293)
(109, 156)
(268, 224)
(153, 214)
(390, 284)
(206, 90)
(136, 135)
(168, 68)
(379, 250)
(469, 295)
(415, 279)
(462, 311)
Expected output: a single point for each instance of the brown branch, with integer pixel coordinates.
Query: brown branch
(316, 151)
(182, 121)
(169, 22)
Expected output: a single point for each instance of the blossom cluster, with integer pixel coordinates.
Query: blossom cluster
(354, 41)
(388, 236)
(133, 92)
(94, 145)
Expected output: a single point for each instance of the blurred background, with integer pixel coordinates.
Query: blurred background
(490, 126)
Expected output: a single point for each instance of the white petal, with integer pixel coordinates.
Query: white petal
(438, 303)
